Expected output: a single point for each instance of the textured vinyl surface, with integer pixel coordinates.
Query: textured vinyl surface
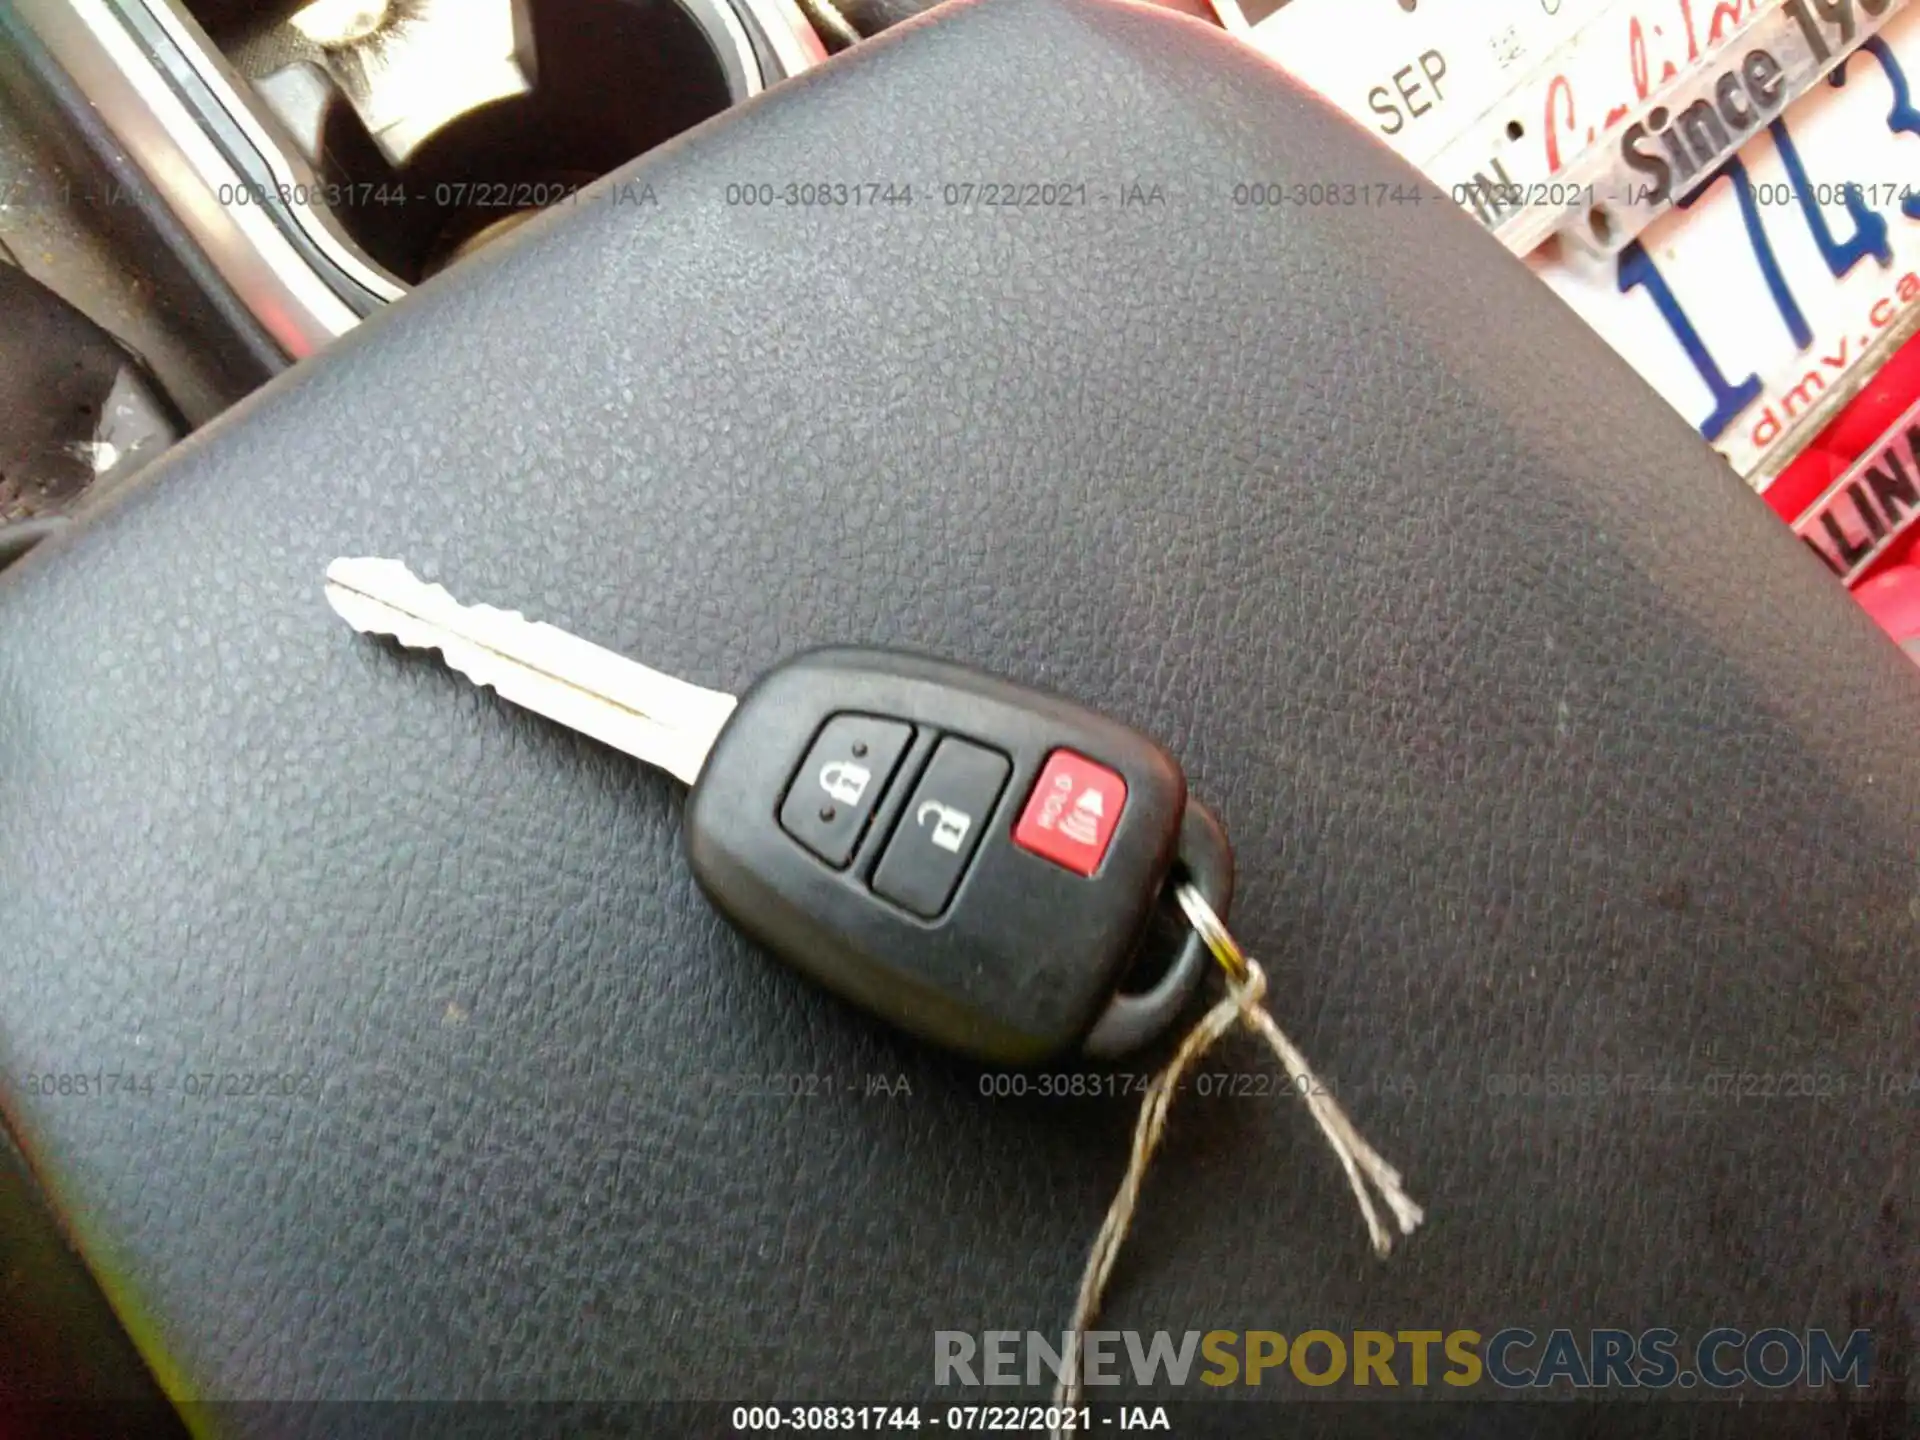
(1544, 748)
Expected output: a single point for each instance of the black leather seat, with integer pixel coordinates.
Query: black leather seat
(1545, 750)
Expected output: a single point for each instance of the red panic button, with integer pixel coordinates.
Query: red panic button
(1071, 815)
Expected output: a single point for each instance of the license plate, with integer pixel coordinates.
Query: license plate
(1757, 304)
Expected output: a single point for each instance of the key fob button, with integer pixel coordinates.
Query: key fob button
(1071, 815)
(834, 793)
(941, 826)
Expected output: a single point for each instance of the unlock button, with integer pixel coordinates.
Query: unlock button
(940, 827)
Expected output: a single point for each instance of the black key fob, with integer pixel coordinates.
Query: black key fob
(973, 860)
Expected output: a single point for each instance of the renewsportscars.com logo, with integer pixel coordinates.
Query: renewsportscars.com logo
(1511, 1359)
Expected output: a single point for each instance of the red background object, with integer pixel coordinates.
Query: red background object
(1865, 419)
(1892, 596)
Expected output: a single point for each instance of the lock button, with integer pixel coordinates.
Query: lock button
(834, 793)
(940, 827)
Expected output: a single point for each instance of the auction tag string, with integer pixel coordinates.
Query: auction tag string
(1243, 1003)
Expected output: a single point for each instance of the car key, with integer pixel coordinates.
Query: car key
(973, 860)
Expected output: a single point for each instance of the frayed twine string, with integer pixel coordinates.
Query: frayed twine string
(1244, 1004)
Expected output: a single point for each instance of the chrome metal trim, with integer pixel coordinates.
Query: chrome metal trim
(166, 141)
(794, 42)
(792, 39)
(737, 61)
(288, 170)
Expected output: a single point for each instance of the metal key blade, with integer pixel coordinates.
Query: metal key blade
(620, 702)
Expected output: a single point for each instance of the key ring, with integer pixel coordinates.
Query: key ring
(1205, 865)
(1212, 931)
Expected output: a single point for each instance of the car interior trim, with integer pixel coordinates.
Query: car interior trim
(169, 145)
